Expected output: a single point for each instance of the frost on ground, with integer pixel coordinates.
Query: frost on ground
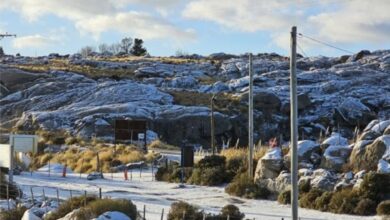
(159, 195)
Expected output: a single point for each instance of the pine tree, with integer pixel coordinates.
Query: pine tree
(138, 49)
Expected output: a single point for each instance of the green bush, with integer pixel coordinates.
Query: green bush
(172, 173)
(13, 214)
(285, 197)
(183, 210)
(383, 208)
(322, 202)
(68, 206)
(234, 166)
(308, 199)
(365, 207)
(304, 186)
(211, 161)
(209, 171)
(243, 186)
(100, 206)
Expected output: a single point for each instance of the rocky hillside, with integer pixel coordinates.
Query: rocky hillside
(84, 96)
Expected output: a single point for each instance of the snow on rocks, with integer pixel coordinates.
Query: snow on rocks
(334, 139)
(323, 179)
(113, 215)
(4, 204)
(270, 165)
(353, 112)
(30, 215)
(335, 156)
(383, 166)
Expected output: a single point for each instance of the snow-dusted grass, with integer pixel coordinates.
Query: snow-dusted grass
(158, 195)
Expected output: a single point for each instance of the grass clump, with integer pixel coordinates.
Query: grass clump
(322, 202)
(13, 214)
(243, 186)
(69, 205)
(285, 197)
(308, 199)
(158, 144)
(183, 210)
(383, 208)
(100, 206)
(209, 171)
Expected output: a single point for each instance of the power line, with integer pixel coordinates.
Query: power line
(324, 43)
(300, 48)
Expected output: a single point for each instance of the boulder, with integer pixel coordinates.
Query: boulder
(113, 215)
(383, 166)
(29, 215)
(323, 179)
(270, 165)
(368, 135)
(304, 101)
(353, 113)
(335, 157)
(262, 99)
(277, 185)
(334, 139)
(306, 151)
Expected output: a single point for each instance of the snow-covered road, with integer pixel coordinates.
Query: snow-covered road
(159, 195)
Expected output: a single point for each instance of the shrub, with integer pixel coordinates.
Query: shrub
(308, 199)
(172, 173)
(232, 211)
(344, 201)
(234, 166)
(211, 161)
(68, 206)
(322, 202)
(383, 208)
(183, 210)
(98, 207)
(365, 207)
(285, 197)
(210, 176)
(304, 186)
(243, 186)
(375, 186)
(14, 191)
(13, 214)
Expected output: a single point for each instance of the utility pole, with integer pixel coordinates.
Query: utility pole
(212, 125)
(294, 125)
(250, 118)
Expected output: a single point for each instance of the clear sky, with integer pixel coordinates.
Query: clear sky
(195, 26)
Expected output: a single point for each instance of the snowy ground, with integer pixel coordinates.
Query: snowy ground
(159, 195)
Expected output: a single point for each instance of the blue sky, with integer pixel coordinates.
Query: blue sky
(194, 26)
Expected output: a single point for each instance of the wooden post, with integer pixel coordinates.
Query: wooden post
(43, 194)
(250, 119)
(162, 214)
(58, 197)
(8, 195)
(184, 215)
(85, 198)
(82, 164)
(294, 125)
(70, 192)
(144, 212)
(152, 171)
(32, 196)
(100, 193)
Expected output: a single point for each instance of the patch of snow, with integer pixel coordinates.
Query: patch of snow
(380, 127)
(113, 215)
(305, 146)
(29, 215)
(273, 153)
(383, 166)
(386, 140)
(336, 139)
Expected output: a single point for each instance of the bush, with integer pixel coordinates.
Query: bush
(322, 202)
(365, 207)
(344, 201)
(98, 207)
(243, 186)
(68, 206)
(285, 197)
(308, 199)
(210, 176)
(304, 186)
(383, 208)
(14, 191)
(211, 161)
(13, 214)
(183, 210)
(375, 186)
(232, 211)
(234, 166)
(172, 173)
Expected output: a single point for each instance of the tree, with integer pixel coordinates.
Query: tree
(1, 52)
(138, 49)
(104, 48)
(86, 51)
(125, 45)
(115, 48)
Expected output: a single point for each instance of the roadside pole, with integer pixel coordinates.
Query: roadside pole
(294, 125)
(212, 125)
(250, 118)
